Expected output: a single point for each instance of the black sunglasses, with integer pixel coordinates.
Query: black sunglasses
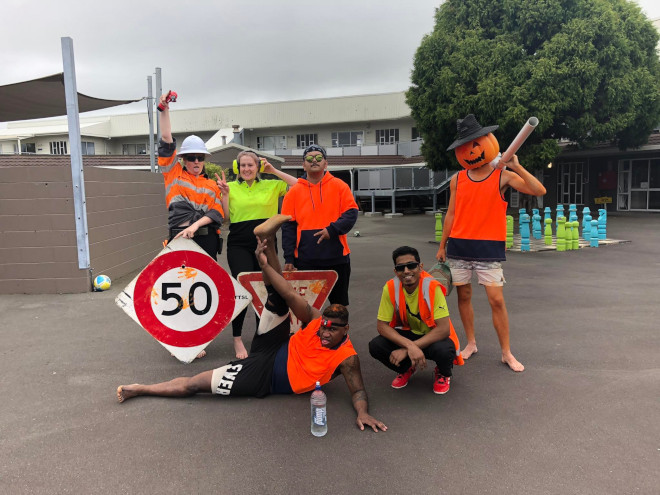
(192, 158)
(333, 326)
(410, 266)
(311, 158)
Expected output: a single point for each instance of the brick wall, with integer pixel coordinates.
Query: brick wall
(126, 217)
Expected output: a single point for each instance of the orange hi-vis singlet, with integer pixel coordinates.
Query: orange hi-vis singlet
(309, 362)
(427, 288)
(199, 195)
(479, 229)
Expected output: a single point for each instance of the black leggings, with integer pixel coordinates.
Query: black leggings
(241, 259)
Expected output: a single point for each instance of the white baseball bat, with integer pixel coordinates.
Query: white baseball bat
(517, 142)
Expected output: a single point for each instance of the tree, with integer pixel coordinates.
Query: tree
(588, 69)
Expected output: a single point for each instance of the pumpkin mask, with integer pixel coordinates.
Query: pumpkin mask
(478, 151)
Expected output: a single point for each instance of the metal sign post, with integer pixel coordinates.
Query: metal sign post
(150, 114)
(159, 91)
(77, 175)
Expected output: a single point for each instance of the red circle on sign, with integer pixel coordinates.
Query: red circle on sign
(150, 322)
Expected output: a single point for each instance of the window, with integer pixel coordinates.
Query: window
(571, 178)
(87, 147)
(415, 134)
(346, 138)
(133, 149)
(271, 142)
(28, 148)
(304, 140)
(58, 148)
(387, 136)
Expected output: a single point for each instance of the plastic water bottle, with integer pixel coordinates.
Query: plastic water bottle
(319, 419)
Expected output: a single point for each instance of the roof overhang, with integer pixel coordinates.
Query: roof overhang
(226, 154)
(44, 97)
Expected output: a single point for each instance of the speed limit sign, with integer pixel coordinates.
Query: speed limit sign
(183, 298)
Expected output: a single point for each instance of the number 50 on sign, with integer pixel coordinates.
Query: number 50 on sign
(183, 298)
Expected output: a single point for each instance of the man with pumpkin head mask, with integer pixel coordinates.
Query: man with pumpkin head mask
(474, 234)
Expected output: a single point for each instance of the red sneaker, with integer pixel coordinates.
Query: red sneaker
(440, 383)
(402, 380)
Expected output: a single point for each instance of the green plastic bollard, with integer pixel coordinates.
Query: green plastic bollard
(568, 235)
(576, 234)
(548, 231)
(438, 227)
(561, 233)
(509, 231)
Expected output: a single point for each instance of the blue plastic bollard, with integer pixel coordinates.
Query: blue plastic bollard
(524, 232)
(593, 241)
(536, 224)
(586, 226)
(572, 213)
(602, 224)
(547, 213)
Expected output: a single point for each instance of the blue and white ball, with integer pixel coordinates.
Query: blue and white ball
(102, 282)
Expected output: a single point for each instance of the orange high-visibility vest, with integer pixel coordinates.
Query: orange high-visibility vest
(427, 288)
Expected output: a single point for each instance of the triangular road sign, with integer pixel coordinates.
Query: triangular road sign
(313, 285)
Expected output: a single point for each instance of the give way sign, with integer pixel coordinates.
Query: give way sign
(183, 298)
(313, 285)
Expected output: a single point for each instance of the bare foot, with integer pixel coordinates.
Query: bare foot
(512, 362)
(125, 392)
(468, 350)
(201, 354)
(271, 226)
(239, 348)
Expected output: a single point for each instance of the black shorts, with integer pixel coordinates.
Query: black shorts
(253, 375)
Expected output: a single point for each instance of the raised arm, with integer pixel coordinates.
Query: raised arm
(303, 311)
(521, 180)
(289, 179)
(165, 124)
(350, 368)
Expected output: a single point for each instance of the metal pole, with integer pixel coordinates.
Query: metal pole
(159, 91)
(75, 146)
(150, 113)
(394, 190)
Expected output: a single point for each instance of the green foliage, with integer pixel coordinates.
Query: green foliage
(212, 169)
(588, 69)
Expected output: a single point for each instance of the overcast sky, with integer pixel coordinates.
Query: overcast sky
(217, 52)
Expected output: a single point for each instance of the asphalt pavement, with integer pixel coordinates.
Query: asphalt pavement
(583, 418)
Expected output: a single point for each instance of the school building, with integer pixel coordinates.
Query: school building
(372, 143)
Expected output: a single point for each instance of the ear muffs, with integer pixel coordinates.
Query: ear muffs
(261, 168)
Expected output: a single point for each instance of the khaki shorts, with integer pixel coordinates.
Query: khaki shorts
(489, 273)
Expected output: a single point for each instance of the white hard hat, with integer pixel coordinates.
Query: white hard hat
(193, 144)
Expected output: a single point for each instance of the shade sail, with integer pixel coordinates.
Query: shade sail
(44, 97)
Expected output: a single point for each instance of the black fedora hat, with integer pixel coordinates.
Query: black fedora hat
(468, 129)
